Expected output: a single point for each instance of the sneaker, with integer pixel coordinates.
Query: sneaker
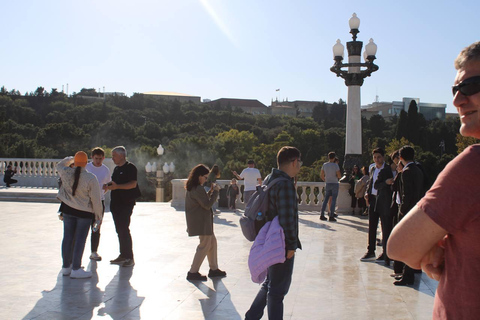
(128, 263)
(332, 219)
(95, 256)
(67, 271)
(80, 274)
(118, 260)
(195, 276)
(335, 215)
(323, 218)
(216, 273)
(381, 257)
(369, 256)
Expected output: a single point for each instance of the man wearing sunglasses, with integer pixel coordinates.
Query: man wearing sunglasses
(441, 234)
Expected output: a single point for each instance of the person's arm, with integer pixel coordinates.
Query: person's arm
(322, 174)
(205, 200)
(124, 186)
(415, 240)
(339, 175)
(236, 175)
(383, 176)
(286, 196)
(408, 182)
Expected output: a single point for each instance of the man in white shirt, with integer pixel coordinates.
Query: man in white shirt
(102, 173)
(251, 177)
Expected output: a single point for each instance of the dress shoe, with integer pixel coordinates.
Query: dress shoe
(404, 282)
(323, 218)
(395, 275)
(399, 277)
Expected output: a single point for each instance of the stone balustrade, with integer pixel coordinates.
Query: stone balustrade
(308, 200)
(36, 173)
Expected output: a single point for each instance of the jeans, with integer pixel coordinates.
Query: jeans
(74, 230)
(121, 217)
(331, 190)
(272, 292)
(247, 195)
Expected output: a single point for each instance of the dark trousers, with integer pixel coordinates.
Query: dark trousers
(386, 221)
(95, 236)
(273, 291)
(10, 181)
(121, 217)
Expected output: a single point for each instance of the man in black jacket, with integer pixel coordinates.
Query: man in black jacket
(379, 195)
(412, 190)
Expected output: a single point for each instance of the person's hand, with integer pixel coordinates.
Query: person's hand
(433, 262)
(109, 186)
(216, 186)
(290, 254)
(98, 217)
(389, 181)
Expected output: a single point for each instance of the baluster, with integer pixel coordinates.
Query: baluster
(303, 195)
(311, 196)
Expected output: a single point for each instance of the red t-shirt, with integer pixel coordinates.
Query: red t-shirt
(453, 203)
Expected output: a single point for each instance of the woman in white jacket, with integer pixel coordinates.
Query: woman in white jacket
(80, 197)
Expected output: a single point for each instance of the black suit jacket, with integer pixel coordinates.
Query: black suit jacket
(412, 189)
(384, 190)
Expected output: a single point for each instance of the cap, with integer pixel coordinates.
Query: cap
(80, 159)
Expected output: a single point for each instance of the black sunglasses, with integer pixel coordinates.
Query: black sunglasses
(468, 87)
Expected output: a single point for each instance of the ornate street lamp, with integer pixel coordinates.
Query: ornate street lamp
(157, 174)
(354, 75)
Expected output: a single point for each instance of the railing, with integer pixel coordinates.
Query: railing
(308, 200)
(36, 173)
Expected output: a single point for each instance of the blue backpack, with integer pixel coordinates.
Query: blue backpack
(256, 209)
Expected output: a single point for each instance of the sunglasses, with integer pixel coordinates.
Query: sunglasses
(468, 87)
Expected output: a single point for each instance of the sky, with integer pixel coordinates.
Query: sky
(233, 49)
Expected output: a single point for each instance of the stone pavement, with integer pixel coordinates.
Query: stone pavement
(329, 281)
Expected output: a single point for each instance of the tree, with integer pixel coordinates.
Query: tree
(402, 126)
(413, 129)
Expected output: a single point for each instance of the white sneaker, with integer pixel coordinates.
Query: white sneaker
(95, 256)
(80, 274)
(67, 271)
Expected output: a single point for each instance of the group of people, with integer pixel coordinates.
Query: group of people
(436, 232)
(393, 189)
(82, 195)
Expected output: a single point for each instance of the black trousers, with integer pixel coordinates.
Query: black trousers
(386, 221)
(121, 216)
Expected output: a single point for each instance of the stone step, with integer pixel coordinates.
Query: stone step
(29, 195)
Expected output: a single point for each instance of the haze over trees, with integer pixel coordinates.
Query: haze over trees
(44, 124)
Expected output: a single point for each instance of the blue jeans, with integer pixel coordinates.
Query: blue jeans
(272, 292)
(331, 190)
(75, 231)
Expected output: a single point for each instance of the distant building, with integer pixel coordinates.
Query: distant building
(247, 105)
(171, 96)
(293, 108)
(389, 109)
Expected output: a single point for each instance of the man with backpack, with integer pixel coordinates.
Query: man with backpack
(282, 202)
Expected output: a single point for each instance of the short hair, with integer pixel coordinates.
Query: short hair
(250, 161)
(331, 155)
(120, 150)
(407, 153)
(195, 173)
(378, 150)
(470, 53)
(287, 154)
(98, 152)
(395, 154)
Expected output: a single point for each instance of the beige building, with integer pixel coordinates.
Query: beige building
(171, 96)
(247, 105)
(390, 109)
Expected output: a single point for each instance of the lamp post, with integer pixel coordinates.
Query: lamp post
(354, 75)
(159, 173)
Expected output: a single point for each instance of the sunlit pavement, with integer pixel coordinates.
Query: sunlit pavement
(329, 281)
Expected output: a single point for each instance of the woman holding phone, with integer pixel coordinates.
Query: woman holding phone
(199, 216)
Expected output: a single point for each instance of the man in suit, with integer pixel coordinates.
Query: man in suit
(379, 195)
(411, 190)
